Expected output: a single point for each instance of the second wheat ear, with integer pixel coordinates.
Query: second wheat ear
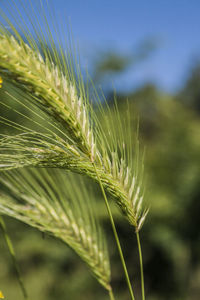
(51, 201)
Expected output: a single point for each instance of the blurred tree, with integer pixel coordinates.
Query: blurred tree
(113, 62)
(190, 93)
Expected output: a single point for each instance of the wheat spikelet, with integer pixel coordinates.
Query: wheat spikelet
(56, 203)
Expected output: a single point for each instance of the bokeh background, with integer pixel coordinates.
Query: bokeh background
(149, 53)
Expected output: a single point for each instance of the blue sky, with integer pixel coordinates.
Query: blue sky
(122, 25)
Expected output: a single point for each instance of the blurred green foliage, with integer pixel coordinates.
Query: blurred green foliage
(170, 132)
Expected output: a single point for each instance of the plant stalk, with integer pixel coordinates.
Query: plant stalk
(111, 294)
(115, 234)
(12, 253)
(141, 265)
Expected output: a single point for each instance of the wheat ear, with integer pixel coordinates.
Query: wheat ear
(57, 203)
(53, 91)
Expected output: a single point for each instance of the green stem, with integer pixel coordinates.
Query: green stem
(141, 265)
(111, 294)
(12, 253)
(115, 234)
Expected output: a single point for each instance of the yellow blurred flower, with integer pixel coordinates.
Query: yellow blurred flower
(1, 294)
